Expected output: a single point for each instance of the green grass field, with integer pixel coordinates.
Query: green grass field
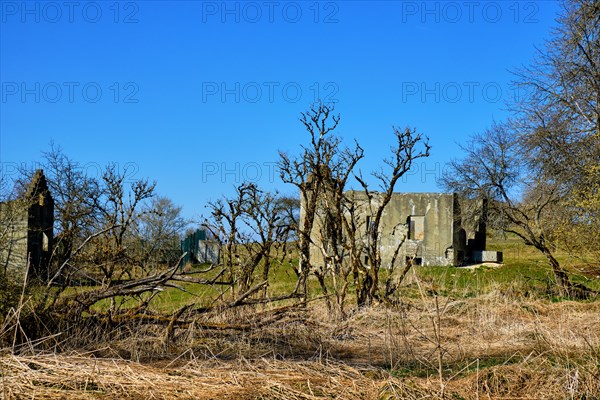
(524, 272)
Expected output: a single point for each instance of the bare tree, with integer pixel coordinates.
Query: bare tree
(309, 171)
(539, 169)
(520, 202)
(74, 193)
(254, 226)
(159, 228)
(265, 217)
(409, 147)
(332, 218)
(227, 214)
(334, 240)
(557, 116)
(289, 208)
(118, 206)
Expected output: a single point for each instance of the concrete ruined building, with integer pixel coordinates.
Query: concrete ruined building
(27, 234)
(430, 228)
(200, 248)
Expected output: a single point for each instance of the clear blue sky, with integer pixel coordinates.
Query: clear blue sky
(200, 95)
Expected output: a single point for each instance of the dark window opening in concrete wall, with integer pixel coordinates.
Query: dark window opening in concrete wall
(416, 227)
(460, 255)
(415, 261)
(369, 225)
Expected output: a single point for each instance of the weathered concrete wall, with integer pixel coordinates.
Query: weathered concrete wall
(13, 239)
(482, 256)
(431, 238)
(430, 228)
(208, 252)
(28, 231)
(429, 242)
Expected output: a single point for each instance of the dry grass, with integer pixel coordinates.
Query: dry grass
(493, 347)
(50, 376)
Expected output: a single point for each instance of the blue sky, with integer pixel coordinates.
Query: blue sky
(200, 95)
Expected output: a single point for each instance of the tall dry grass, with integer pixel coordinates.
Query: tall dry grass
(496, 346)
